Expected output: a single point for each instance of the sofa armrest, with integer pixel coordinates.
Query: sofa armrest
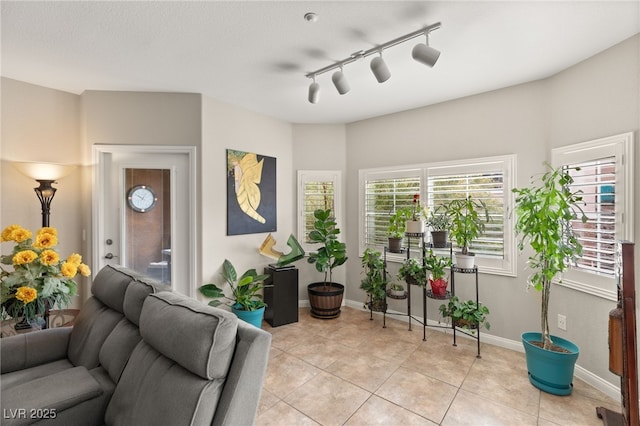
(31, 349)
(44, 398)
(240, 397)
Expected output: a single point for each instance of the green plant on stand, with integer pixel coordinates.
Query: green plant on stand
(412, 272)
(245, 293)
(466, 224)
(468, 314)
(544, 215)
(397, 228)
(374, 281)
(437, 265)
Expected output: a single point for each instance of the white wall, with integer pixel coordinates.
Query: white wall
(226, 126)
(41, 125)
(596, 98)
(320, 147)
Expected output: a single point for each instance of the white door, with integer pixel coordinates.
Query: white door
(144, 210)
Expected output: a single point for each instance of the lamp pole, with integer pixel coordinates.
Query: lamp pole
(45, 193)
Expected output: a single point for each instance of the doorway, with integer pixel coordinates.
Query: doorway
(144, 212)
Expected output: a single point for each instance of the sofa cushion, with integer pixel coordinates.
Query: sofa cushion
(197, 336)
(110, 286)
(14, 378)
(92, 326)
(31, 349)
(117, 348)
(155, 390)
(134, 297)
(49, 394)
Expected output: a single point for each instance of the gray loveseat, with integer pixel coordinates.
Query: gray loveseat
(137, 355)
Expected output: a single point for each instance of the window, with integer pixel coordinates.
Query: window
(384, 193)
(316, 190)
(486, 179)
(606, 182)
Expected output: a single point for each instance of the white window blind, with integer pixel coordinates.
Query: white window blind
(382, 191)
(606, 181)
(316, 190)
(487, 187)
(385, 192)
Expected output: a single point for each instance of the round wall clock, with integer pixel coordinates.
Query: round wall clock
(141, 198)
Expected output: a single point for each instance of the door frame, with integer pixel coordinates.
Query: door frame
(98, 197)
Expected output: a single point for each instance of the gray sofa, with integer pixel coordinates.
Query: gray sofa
(137, 355)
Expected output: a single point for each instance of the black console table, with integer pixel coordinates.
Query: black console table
(282, 295)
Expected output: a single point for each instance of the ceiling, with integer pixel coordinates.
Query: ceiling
(256, 54)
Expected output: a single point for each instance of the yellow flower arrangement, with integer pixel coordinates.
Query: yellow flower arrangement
(40, 278)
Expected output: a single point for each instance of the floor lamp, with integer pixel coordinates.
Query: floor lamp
(45, 174)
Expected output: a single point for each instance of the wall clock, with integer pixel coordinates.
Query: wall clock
(141, 198)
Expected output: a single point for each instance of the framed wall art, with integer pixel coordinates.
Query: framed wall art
(251, 193)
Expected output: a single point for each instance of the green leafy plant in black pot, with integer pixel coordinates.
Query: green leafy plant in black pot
(412, 272)
(397, 228)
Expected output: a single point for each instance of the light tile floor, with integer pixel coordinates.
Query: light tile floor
(351, 371)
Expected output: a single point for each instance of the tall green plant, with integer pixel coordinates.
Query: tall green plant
(544, 215)
(333, 253)
(398, 222)
(466, 222)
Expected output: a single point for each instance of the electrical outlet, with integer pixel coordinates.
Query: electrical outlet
(562, 322)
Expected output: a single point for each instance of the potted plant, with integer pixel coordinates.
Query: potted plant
(439, 223)
(396, 290)
(466, 223)
(412, 272)
(397, 228)
(437, 264)
(544, 213)
(374, 281)
(468, 314)
(325, 297)
(245, 300)
(415, 225)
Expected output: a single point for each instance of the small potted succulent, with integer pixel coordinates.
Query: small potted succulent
(438, 222)
(412, 272)
(396, 290)
(438, 280)
(468, 314)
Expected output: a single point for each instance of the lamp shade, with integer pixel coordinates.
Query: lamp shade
(314, 92)
(44, 171)
(380, 69)
(425, 54)
(340, 81)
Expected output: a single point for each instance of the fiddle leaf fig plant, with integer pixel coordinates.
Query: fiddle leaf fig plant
(544, 213)
(333, 253)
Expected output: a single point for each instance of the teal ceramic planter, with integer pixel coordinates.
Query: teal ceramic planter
(550, 371)
(252, 317)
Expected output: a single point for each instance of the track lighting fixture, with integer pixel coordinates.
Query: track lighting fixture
(340, 81)
(314, 91)
(380, 69)
(422, 53)
(425, 54)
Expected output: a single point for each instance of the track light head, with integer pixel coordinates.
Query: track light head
(314, 92)
(380, 69)
(425, 54)
(340, 81)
